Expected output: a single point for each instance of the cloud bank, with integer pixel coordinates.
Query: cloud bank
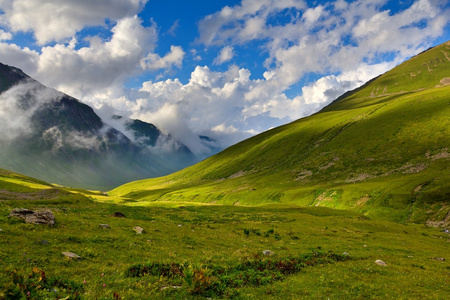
(311, 53)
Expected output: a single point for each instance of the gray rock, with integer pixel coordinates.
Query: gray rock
(380, 262)
(138, 229)
(71, 255)
(268, 253)
(345, 253)
(34, 217)
(104, 226)
(438, 258)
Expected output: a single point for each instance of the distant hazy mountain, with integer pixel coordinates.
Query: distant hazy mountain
(52, 136)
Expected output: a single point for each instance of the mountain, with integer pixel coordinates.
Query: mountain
(382, 149)
(52, 136)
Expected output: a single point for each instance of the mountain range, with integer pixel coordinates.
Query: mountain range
(52, 136)
(381, 149)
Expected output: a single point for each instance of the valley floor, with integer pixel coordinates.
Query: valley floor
(204, 239)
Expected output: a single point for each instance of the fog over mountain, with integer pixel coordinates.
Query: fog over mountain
(52, 136)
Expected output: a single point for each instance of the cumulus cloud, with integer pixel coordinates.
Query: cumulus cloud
(226, 54)
(56, 20)
(333, 37)
(347, 39)
(174, 58)
(99, 69)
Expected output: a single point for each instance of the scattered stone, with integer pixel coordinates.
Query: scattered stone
(179, 225)
(445, 231)
(149, 241)
(380, 262)
(118, 214)
(438, 258)
(34, 217)
(365, 246)
(190, 247)
(410, 256)
(71, 255)
(171, 287)
(345, 253)
(138, 229)
(104, 226)
(268, 253)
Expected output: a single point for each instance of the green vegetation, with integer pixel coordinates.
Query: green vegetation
(381, 150)
(192, 252)
(327, 196)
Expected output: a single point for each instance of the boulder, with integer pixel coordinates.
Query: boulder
(268, 253)
(380, 262)
(71, 255)
(138, 229)
(34, 217)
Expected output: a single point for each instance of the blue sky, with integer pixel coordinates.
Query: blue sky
(222, 68)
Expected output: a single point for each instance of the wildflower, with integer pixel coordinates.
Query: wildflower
(104, 285)
(84, 282)
(28, 293)
(103, 274)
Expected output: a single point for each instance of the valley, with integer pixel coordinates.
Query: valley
(349, 203)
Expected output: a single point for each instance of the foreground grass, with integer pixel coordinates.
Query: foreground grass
(222, 237)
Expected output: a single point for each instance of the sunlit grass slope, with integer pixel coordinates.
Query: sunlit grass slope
(382, 149)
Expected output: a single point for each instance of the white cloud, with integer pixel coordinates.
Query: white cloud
(226, 54)
(174, 58)
(99, 69)
(51, 20)
(4, 36)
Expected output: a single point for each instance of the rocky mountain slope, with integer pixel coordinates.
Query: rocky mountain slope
(52, 136)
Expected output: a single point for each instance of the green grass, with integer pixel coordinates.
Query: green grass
(215, 237)
(362, 176)
(379, 151)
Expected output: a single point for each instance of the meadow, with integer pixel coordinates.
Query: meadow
(198, 251)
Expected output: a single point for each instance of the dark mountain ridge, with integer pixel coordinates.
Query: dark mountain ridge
(55, 137)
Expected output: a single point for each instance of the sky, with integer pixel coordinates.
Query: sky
(226, 69)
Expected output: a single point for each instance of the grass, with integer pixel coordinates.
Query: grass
(381, 150)
(300, 191)
(214, 237)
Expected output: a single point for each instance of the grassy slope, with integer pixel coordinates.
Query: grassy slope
(382, 150)
(190, 234)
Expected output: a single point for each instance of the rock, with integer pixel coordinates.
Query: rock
(345, 253)
(438, 258)
(34, 217)
(268, 253)
(380, 262)
(71, 255)
(179, 225)
(118, 214)
(104, 226)
(138, 229)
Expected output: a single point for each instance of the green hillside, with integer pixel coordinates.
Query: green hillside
(381, 150)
